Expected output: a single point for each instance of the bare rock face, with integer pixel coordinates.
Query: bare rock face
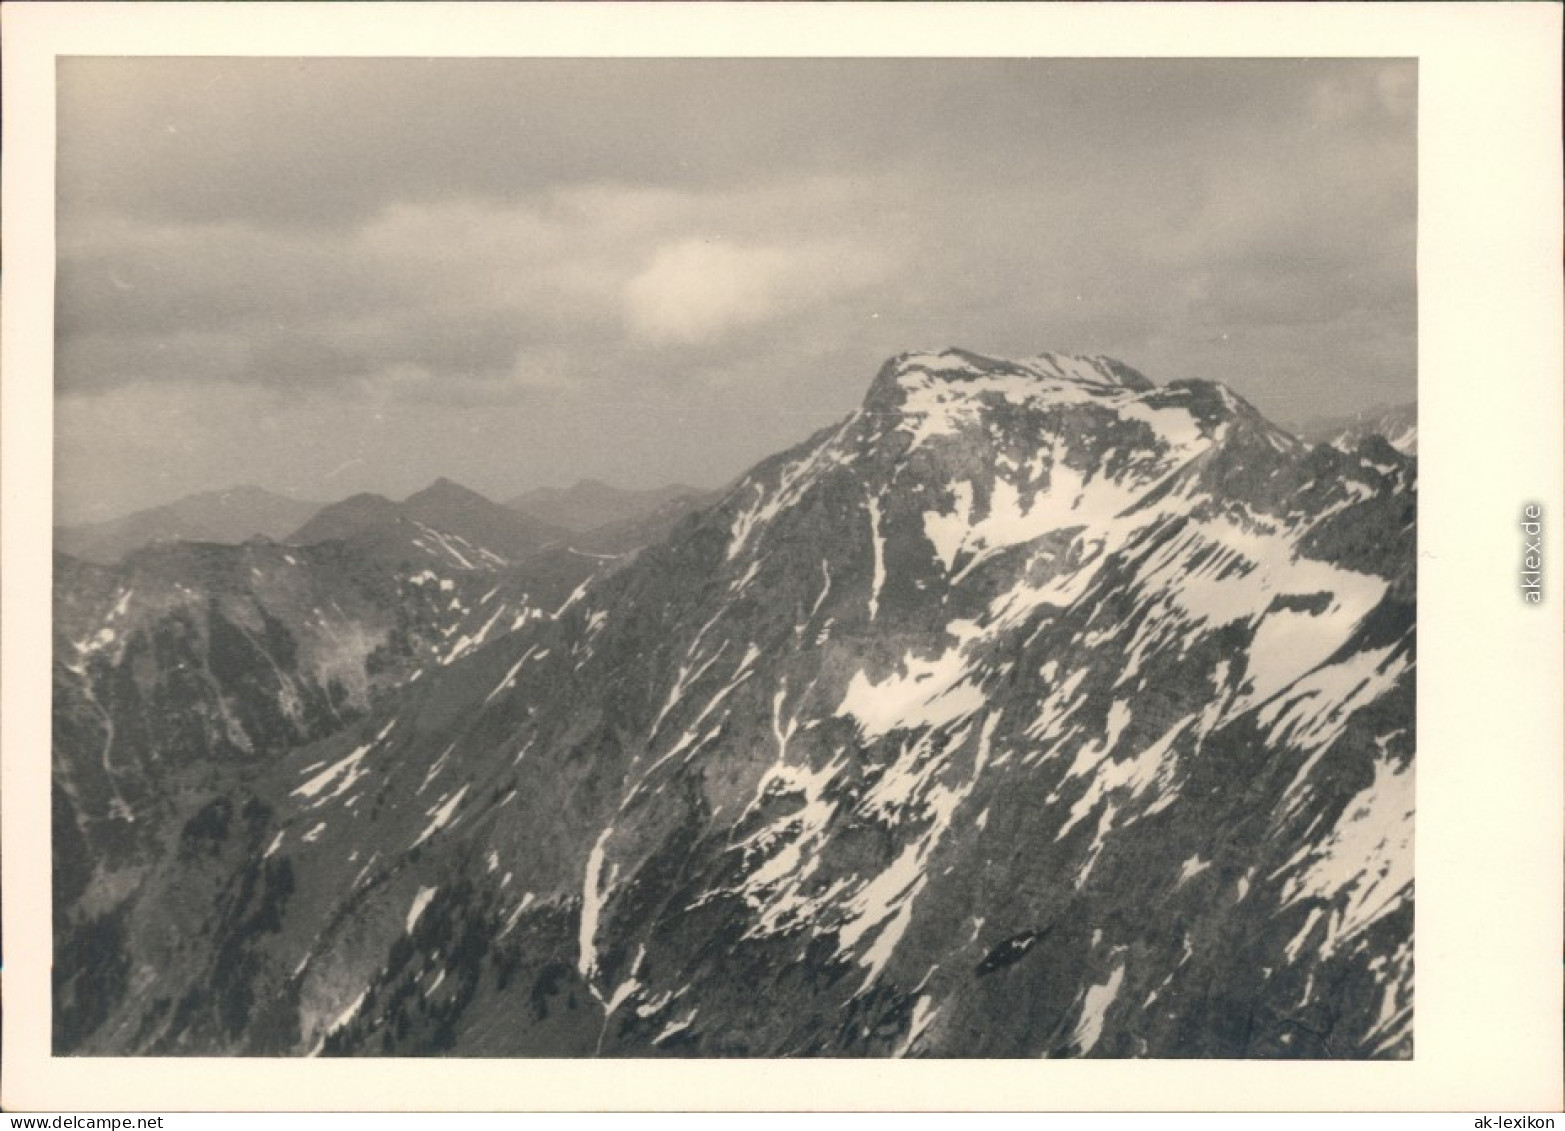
(1032, 710)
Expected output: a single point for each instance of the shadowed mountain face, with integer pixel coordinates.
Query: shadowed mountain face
(1032, 710)
(230, 516)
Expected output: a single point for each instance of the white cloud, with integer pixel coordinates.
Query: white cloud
(697, 291)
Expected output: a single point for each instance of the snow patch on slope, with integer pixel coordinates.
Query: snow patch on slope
(420, 901)
(1365, 867)
(927, 693)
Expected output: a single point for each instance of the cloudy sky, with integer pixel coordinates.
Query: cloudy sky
(329, 276)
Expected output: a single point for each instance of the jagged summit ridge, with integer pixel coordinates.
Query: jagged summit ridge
(955, 392)
(965, 370)
(956, 364)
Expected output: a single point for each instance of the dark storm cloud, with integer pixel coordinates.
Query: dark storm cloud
(327, 140)
(122, 278)
(445, 237)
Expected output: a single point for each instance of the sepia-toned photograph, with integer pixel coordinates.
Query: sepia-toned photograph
(735, 557)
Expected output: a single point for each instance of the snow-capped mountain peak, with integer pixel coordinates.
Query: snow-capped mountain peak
(958, 372)
(945, 395)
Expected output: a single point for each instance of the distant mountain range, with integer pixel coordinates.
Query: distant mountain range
(1031, 710)
(1397, 423)
(231, 516)
(590, 504)
(444, 522)
(466, 525)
